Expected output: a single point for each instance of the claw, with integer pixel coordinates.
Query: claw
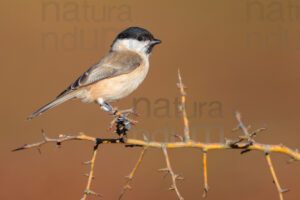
(132, 121)
(136, 113)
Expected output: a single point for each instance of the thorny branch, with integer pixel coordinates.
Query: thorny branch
(280, 191)
(173, 175)
(205, 173)
(245, 142)
(183, 110)
(88, 191)
(130, 176)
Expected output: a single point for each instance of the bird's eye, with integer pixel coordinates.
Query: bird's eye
(140, 38)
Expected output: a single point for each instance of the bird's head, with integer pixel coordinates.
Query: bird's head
(135, 39)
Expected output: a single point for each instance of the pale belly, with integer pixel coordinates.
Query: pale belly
(113, 89)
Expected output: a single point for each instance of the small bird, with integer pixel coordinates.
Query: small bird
(115, 76)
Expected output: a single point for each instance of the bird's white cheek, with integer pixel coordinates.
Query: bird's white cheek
(137, 46)
(133, 45)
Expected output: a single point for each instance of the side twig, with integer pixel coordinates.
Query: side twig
(88, 191)
(131, 175)
(183, 110)
(205, 173)
(240, 123)
(275, 179)
(173, 175)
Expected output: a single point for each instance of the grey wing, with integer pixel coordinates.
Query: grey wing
(111, 65)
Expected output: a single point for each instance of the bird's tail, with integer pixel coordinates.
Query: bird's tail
(54, 103)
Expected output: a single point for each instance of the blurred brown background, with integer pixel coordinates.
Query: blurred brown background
(232, 54)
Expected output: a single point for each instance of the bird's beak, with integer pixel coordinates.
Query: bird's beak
(155, 41)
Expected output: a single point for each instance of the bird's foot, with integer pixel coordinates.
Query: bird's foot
(121, 120)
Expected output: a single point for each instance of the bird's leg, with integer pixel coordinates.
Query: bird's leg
(120, 117)
(107, 108)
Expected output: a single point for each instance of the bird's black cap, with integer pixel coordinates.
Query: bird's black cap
(138, 33)
(135, 33)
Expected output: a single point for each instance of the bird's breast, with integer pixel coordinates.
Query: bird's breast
(118, 87)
